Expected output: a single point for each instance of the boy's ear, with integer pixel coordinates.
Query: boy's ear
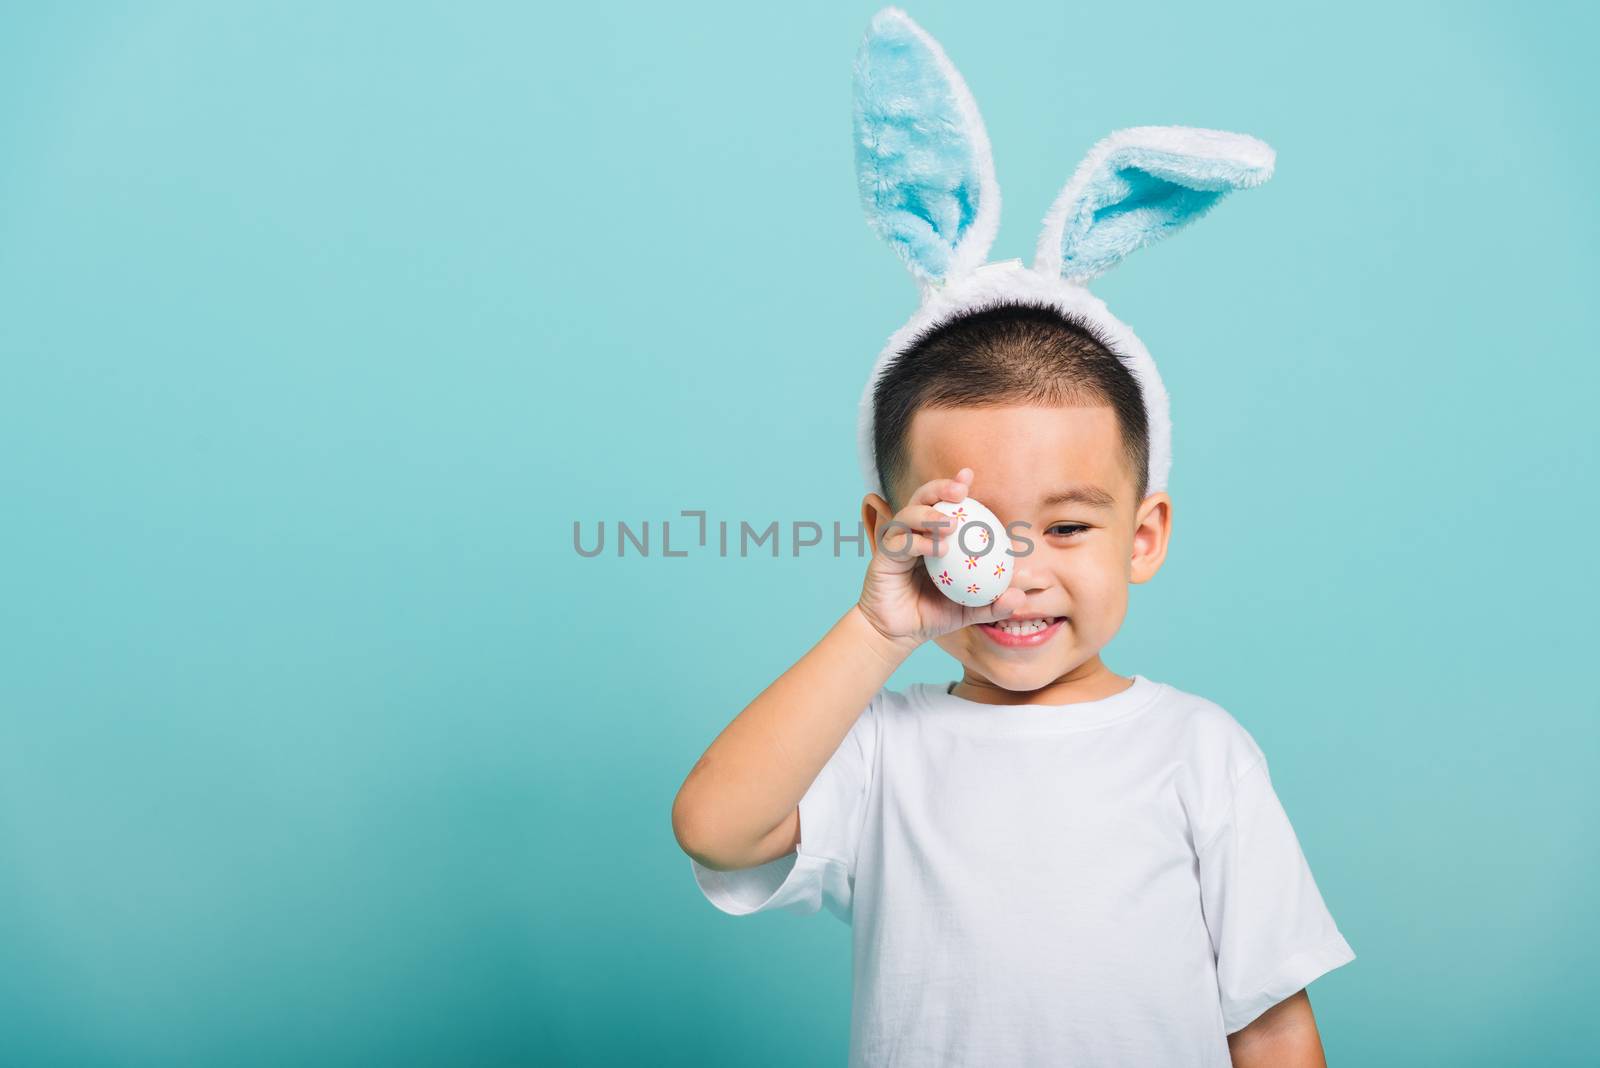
(1152, 531)
(1139, 185)
(923, 165)
(875, 511)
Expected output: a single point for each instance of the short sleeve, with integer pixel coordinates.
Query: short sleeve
(822, 871)
(1270, 929)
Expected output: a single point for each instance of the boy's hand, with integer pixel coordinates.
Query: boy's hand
(897, 597)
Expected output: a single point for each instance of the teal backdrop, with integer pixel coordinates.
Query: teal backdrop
(322, 324)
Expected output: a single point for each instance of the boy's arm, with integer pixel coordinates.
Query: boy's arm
(1285, 1036)
(739, 806)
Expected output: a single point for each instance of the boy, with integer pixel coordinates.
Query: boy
(1048, 862)
(1045, 862)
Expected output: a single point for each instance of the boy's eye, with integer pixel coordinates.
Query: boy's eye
(1066, 529)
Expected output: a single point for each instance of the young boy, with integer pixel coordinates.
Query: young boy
(1044, 862)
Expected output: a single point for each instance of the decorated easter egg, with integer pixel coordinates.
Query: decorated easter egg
(974, 563)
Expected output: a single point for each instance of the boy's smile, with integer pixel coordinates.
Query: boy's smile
(1059, 479)
(1025, 633)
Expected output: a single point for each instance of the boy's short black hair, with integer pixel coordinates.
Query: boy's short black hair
(1013, 352)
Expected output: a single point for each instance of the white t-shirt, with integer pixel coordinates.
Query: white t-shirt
(1112, 882)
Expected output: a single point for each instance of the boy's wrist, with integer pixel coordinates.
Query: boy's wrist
(893, 651)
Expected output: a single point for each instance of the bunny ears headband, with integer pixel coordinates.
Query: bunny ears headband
(927, 183)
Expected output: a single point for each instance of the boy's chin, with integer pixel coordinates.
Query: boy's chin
(1020, 674)
(1021, 678)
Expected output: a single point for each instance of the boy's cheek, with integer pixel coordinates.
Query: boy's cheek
(1110, 609)
(954, 643)
(1098, 599)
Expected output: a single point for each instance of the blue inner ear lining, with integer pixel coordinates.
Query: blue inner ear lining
(1138, 207)
(1146, 191)
(916, 160)
(911, 200)
(931, 246)
(966, 196)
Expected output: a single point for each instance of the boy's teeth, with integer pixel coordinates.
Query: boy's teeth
(1030, 626)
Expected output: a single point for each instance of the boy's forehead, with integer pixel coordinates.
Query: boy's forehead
(1019, 454)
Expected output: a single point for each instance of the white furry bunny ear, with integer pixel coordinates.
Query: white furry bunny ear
(923, 164)
(1139, 185)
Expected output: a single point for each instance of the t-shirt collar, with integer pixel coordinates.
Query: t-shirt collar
(934, 700)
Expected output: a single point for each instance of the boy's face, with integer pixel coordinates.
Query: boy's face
(1087, 546)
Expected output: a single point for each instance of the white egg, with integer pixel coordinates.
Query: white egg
(974, 563)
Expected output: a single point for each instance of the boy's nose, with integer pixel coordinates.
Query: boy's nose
(1026, 579)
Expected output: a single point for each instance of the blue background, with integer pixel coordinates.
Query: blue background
(321, 325)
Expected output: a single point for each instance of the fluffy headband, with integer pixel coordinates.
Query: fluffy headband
(927, 182)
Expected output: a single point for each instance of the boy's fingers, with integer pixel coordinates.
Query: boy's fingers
(925, 517)
(944, 489)
(957, 488)
(921, 515)
(902, 544)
